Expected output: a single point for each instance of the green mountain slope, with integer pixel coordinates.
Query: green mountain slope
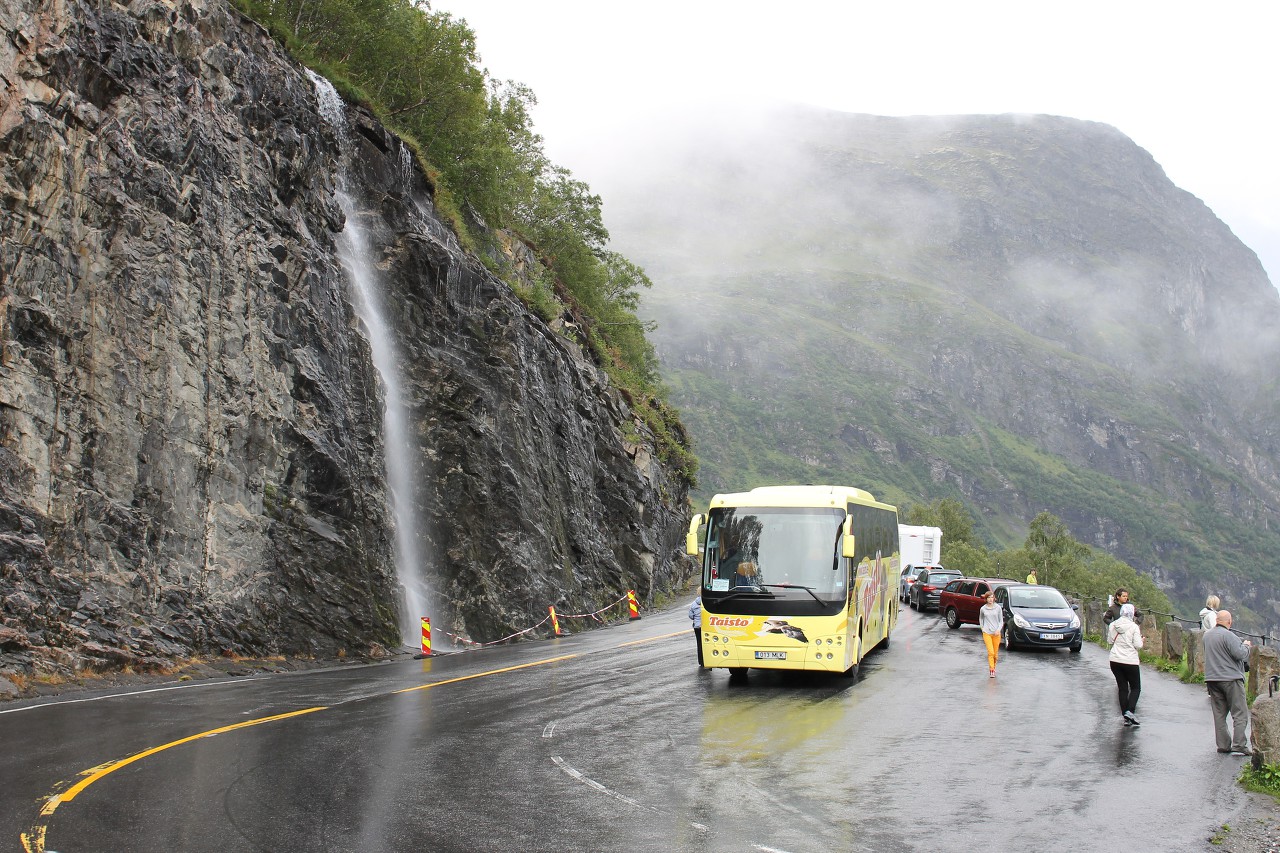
(1022, 312)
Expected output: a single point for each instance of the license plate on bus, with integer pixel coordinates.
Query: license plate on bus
(1051, 636)
(771, 655)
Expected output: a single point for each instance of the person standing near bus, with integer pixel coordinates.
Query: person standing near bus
(991, 620)
(1125, 639)
(695, 616)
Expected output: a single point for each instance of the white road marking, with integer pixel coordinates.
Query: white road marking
(591, 783)
(549, 731)
(133, 693)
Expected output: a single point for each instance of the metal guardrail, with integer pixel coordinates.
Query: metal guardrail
(1265, 639)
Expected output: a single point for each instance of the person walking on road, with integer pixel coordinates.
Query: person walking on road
(1125, 640)
(991, 620)
(1225, 658)
(1209, 615)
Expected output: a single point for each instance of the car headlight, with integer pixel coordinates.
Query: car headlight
(1020, 622)
(1075, 620)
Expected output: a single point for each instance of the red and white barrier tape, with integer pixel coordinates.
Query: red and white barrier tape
(466, 641)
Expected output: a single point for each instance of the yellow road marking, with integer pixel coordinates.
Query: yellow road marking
(483, 674)
(651, 639)
(34, 841)
(71, 793)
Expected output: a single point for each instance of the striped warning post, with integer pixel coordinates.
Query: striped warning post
(555, 623)
(426, 635)
(632, 605)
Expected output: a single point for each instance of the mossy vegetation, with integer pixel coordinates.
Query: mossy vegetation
(419, 72)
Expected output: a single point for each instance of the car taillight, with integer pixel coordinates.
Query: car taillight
(928, 588)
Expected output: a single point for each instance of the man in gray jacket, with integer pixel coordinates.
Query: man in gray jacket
(1225, 656)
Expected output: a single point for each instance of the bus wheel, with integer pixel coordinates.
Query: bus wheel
(851, 673)
(737, 673)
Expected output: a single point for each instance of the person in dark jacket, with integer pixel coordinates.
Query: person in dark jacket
(1120, 599)
(1225, 657)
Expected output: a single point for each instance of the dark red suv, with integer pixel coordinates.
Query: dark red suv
(962, 598)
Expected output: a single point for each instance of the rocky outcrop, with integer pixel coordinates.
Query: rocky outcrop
(190, 423)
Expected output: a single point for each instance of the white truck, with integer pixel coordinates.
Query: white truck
(918, 547)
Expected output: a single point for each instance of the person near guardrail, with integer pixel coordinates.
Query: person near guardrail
(1120, 599)
(1125, 639)
(1209, 614)
(1225, 657)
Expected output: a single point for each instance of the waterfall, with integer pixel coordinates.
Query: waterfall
(398, 447)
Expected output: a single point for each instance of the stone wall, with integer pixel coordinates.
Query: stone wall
(191, 441)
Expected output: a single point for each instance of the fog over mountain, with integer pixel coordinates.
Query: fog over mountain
(1020, 311)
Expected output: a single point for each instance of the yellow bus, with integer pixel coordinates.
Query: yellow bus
(795, 577)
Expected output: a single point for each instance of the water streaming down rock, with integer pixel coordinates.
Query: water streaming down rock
(354, 252)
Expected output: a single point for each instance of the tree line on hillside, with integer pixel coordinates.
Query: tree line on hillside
(418, 70)
(1058, 559)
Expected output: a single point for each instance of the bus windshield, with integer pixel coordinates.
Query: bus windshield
(775, 551)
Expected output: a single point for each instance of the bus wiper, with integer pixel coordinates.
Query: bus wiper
(747, 592)
(807, 589)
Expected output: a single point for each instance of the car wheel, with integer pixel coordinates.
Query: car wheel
(953, 618)
(1008, 640)
(1075, 650)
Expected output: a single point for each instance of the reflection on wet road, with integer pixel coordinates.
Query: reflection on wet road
(615, 740)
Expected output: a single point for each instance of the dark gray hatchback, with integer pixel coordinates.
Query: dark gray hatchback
(1037, 616)
(928, 587)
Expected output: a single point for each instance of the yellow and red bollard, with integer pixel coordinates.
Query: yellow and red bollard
(632, 605)
(426, 635)
(555, 623)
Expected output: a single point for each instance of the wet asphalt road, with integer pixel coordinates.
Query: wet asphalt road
(623, 744)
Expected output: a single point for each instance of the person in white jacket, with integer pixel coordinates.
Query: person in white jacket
(1125, 639)
(1209, 615)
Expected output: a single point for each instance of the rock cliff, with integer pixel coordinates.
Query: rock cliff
(191, 435)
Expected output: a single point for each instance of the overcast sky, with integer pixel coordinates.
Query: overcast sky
(1193, 83)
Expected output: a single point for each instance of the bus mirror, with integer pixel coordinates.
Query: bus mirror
(847, 542)
(691, 538)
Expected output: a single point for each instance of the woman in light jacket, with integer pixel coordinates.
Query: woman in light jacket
(991, 621)
(1209, 615)
(1125, 640)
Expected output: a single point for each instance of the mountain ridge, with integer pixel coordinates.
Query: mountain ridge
(1020, 311)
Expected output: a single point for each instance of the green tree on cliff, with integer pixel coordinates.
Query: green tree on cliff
(419, 71)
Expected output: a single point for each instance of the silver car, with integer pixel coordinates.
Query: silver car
(909, 575)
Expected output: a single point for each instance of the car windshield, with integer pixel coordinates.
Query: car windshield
(778, 549)
(941, 580)
(1042, 597)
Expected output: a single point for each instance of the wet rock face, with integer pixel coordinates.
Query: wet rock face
(190, 422)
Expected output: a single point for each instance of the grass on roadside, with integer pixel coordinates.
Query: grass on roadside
(1262, 780)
